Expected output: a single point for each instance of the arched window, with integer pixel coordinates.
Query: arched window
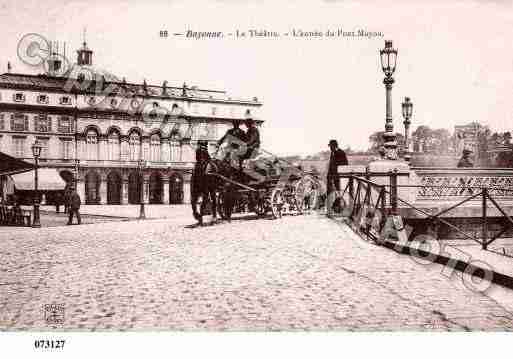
(155, 147)
(92, 145)
(134, 145)
(114, 150)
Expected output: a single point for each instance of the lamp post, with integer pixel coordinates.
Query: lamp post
(36, 152)
(407, 107)
(141, 165)
(77, 164)
(388, 57)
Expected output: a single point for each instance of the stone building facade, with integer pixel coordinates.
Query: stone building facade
(114, 138)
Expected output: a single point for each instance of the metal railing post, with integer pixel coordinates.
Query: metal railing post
(351, 185)
(484, 240)
(393, 192)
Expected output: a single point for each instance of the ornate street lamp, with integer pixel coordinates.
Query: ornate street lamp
(388, 62)
(36, 152)
(407, 107)
(141, 165)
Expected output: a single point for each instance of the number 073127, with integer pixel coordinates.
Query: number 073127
(49, 344)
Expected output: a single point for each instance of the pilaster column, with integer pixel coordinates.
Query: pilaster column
(145, 148)
(187, 188)
(165, 150)
(103, 188)
(103, 155)
(165, 189)
(187, 152)
(124, 188)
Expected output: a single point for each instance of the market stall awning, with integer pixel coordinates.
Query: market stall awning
(48, 180)
(10, 165)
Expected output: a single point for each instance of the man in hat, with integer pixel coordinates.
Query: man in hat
(74, 206)
(234, 136)
(233, 139)
(252, 141)
(465, 159)
(337, 158)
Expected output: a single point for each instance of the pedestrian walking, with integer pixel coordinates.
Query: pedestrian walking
(337, 158)
(74, 206)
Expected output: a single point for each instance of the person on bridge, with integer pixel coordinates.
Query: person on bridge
(337, 158)
(465, 159)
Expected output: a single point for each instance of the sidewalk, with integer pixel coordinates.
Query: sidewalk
(152, 211)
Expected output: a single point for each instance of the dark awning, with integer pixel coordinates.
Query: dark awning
(10, 165)
(48, 180)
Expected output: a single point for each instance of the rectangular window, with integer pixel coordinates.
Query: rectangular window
(66, 147)
(42, 123)
(19, 122)
(42, 98)
(65, 100)
(19, 97)
(45, 153)
(2, 123)
(65, 124)
(18, 144)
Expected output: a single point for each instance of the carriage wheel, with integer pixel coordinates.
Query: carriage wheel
(260, 207)
(277, 202)
(306, 195)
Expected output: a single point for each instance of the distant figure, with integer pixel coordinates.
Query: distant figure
(465, 159)
(74, 206)
(58, 199)
(66, 196)
(337, 158)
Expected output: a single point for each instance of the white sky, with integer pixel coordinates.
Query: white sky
(455, 58)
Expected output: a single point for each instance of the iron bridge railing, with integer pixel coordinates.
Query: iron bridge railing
(360, 192)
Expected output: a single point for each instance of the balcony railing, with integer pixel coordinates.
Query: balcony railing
(64, 162)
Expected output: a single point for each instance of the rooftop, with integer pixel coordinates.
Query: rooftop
(102, 82)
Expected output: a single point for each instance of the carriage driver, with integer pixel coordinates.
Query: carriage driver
(252, 141)
(233, 138)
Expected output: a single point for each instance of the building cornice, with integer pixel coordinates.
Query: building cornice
(120, 89)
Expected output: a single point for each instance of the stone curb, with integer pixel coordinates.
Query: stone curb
(458, 264)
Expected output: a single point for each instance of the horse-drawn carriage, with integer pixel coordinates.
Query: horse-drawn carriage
(264, 185)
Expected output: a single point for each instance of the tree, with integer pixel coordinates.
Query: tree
(376, 141)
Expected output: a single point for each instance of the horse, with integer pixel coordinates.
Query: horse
(204, 186)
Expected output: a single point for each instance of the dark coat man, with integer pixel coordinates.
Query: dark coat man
(465, 160)
(252, 139)
(74, 207)
(337, 158)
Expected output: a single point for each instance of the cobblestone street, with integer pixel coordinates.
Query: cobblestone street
(296, 273)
